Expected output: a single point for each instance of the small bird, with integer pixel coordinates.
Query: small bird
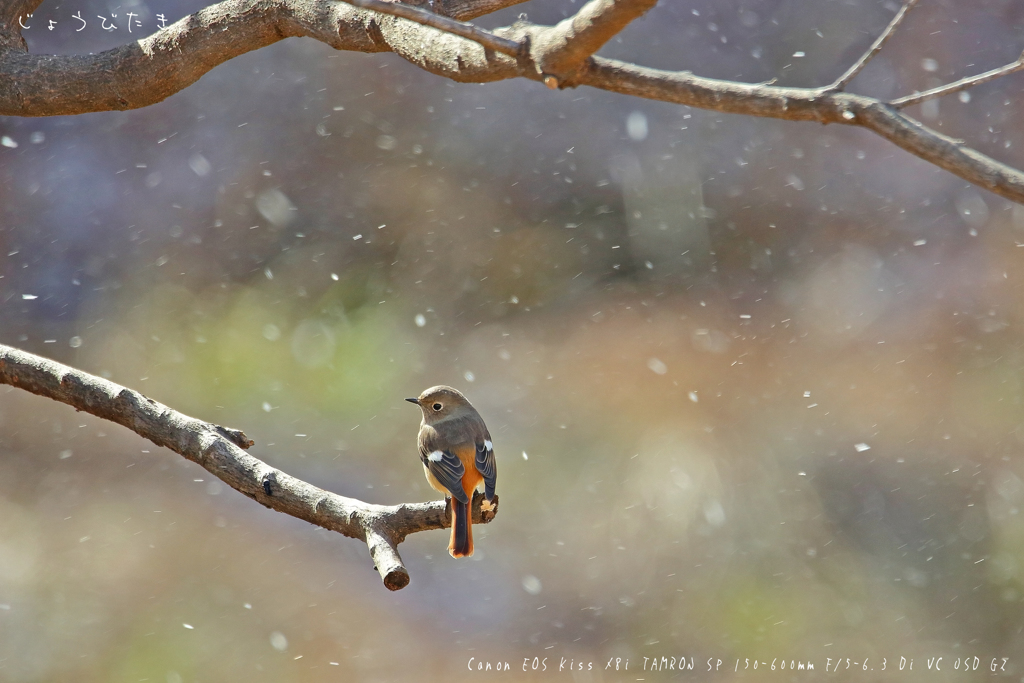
(458, 457)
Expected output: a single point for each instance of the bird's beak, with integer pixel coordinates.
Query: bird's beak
(413, 400)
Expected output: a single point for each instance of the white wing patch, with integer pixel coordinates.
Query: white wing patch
(488, 445)
(435, 456)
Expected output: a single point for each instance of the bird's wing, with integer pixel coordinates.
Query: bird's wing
(446, 468)
(486, 465)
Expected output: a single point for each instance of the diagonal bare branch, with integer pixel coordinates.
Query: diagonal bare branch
(805, 104)
(442, 23)
(560, 50)
(962, 84)
(876, 46)
(220, 452)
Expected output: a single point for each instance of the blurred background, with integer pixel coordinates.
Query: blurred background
(755, 386)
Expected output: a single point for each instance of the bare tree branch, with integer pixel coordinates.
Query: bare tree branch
(148, 71)
(804, 104)
(220, 451)
(962, 84)
(151, 69)
(876, 46)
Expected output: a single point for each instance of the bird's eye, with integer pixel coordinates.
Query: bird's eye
(437, 406)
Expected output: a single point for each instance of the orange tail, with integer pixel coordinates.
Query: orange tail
(461, 544)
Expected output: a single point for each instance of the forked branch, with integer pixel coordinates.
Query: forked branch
(559, 51)
(220, 451)
(875, 48)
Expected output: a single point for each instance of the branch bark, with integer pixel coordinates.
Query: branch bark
(153, 68)
(220, 451)
(12, 9)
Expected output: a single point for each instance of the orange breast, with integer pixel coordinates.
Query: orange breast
(472, 478)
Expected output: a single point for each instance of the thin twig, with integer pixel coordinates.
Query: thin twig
(876, 46)
(458, 28)
(962, 84)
